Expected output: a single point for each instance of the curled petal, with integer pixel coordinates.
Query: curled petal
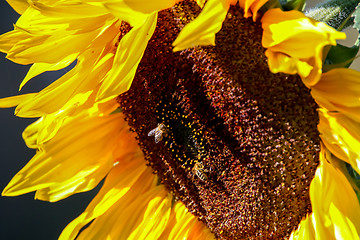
(279, 62)
(298, 38)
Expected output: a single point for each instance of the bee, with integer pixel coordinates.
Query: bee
(198, 170)
(159, 132)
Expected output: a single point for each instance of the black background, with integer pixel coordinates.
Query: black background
(22, 217)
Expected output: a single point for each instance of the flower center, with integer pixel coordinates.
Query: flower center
(235, 143)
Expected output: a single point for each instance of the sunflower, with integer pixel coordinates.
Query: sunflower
(205, 123)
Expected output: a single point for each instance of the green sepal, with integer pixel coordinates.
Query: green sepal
(118, 110)
(285, 5)
(270, 4)
(340, 56)
(355, 178)
(288, 5)
(354, 175)
(351, 175)
(358, 196)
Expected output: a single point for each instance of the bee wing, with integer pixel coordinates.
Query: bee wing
(158, 136)
(152, 132)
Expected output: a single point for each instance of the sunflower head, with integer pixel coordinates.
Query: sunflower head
(231, 153)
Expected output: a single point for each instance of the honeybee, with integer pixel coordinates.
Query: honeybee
(159, 132)
(198, 170)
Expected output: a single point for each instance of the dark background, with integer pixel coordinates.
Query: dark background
(22, 217)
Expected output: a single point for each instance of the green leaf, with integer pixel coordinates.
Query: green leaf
(356, 25)
(340, 56)
(356, 16)
(335, 13)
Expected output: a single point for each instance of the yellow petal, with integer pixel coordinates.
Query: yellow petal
(251, 7)
(47, 126)
(339, 90)
(38, 68)
(53, 97)
(74, 160)
(30, 134)
(15, 100)
(294, 35)
(82, 79)
(144, 6)
(341, 135)
(124, 218)
(68, 8)
(201, 3)
(130, 169)
(44, 39)
(184, 225)
(128, 55)
(154, 221)
(200, 231)
(9, 39)
(123, 12)
(202, 30)
(19, 5)
(335, 205)
(92, 66)
(305, 230)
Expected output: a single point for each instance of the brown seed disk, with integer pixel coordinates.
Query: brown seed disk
(240, 144)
